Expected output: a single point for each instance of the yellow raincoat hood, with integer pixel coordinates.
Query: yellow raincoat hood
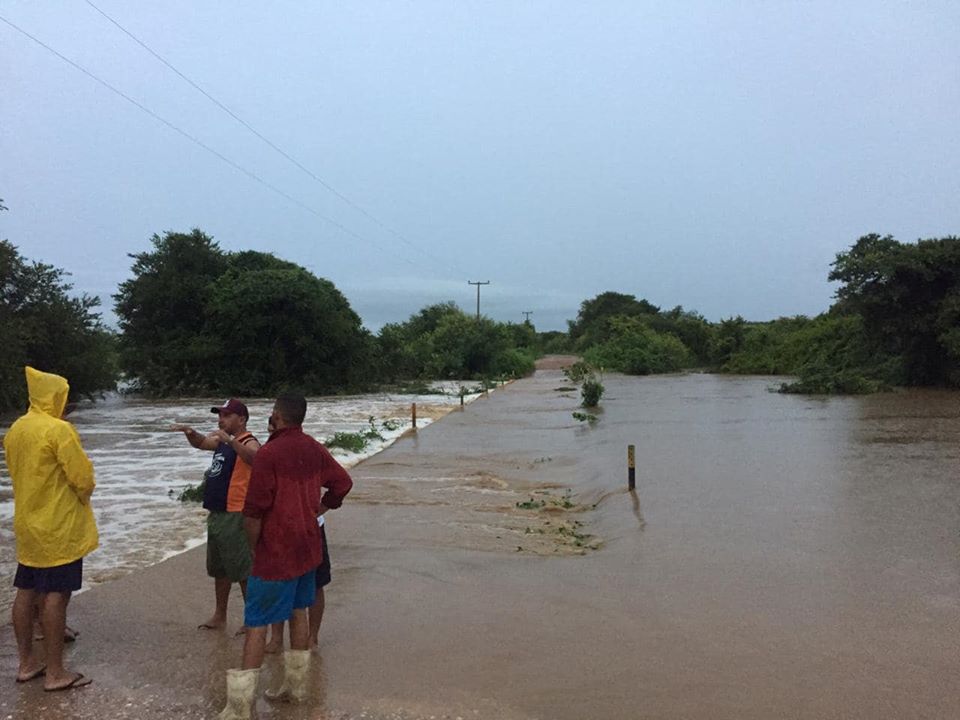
(48, 392)
(52, 479)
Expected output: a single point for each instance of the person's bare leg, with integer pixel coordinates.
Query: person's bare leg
(296, 661)
(221, 589)
(316, 618)
(54, 616)
(69, 634)
(275, 644)
(22, 616)
(243, 594)
(37, 625)
(253, 646)
(299, 630)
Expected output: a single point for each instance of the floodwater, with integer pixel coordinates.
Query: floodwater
(783, 557)
(141, 467)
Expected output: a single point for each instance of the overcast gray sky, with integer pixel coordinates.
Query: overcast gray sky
(715, 155)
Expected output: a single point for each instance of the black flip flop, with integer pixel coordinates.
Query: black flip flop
(78, 682)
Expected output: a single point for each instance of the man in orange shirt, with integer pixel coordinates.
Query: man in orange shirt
(224, 494)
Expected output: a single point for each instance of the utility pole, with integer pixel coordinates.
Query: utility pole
(478, 284)
(526, 314)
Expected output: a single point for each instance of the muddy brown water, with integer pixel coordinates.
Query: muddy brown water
(141, 466)
(784, 557)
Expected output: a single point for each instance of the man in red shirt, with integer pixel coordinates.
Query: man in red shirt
(284, 499)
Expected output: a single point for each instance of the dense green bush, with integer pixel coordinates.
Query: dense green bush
(441, 341)
(579, 371)
(830, 354)
(515, 363)
(554, 343)
(590, 392)
(592, 327)
(726, 340)
(635, 349)
(824, 380)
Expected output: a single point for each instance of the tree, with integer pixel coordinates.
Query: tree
(42, 325)
(523, 335)
(282, 325)
(404, 349)
(909, 298)
(162, 313)
(728, 339)
(591, 327)
(197, 319)
(463, 346)
(688, 326)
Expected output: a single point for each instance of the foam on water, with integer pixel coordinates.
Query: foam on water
(141, 466)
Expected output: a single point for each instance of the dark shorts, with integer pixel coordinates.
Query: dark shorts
(58, 579)
(323, 569)
(228, 550)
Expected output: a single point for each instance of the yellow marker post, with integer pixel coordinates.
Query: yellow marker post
(631, 468)
(413, 415)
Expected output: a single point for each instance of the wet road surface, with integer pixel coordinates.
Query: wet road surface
(784, 557)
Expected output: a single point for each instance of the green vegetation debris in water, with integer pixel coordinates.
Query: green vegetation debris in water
(190, 493)
(564, 502)
(565, 530)
(357, 442)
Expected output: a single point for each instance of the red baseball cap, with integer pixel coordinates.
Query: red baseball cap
(232, 406)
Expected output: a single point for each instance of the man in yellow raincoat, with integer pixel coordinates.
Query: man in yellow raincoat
(52, 522)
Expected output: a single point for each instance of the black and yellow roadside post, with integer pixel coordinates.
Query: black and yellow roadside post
(631, 468)
(413, 415)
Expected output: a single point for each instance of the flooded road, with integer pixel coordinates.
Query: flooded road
(784, 557)
(141, 467)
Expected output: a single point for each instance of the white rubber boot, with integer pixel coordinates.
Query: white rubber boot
(296, 663)
(241, 693)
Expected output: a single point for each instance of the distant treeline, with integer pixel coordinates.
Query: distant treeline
(195, 319)
(896, 321)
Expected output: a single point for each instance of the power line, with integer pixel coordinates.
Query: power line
(266, 140)
(200, 143)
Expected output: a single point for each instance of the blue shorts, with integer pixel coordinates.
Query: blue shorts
(57, 579)
(273, 601)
